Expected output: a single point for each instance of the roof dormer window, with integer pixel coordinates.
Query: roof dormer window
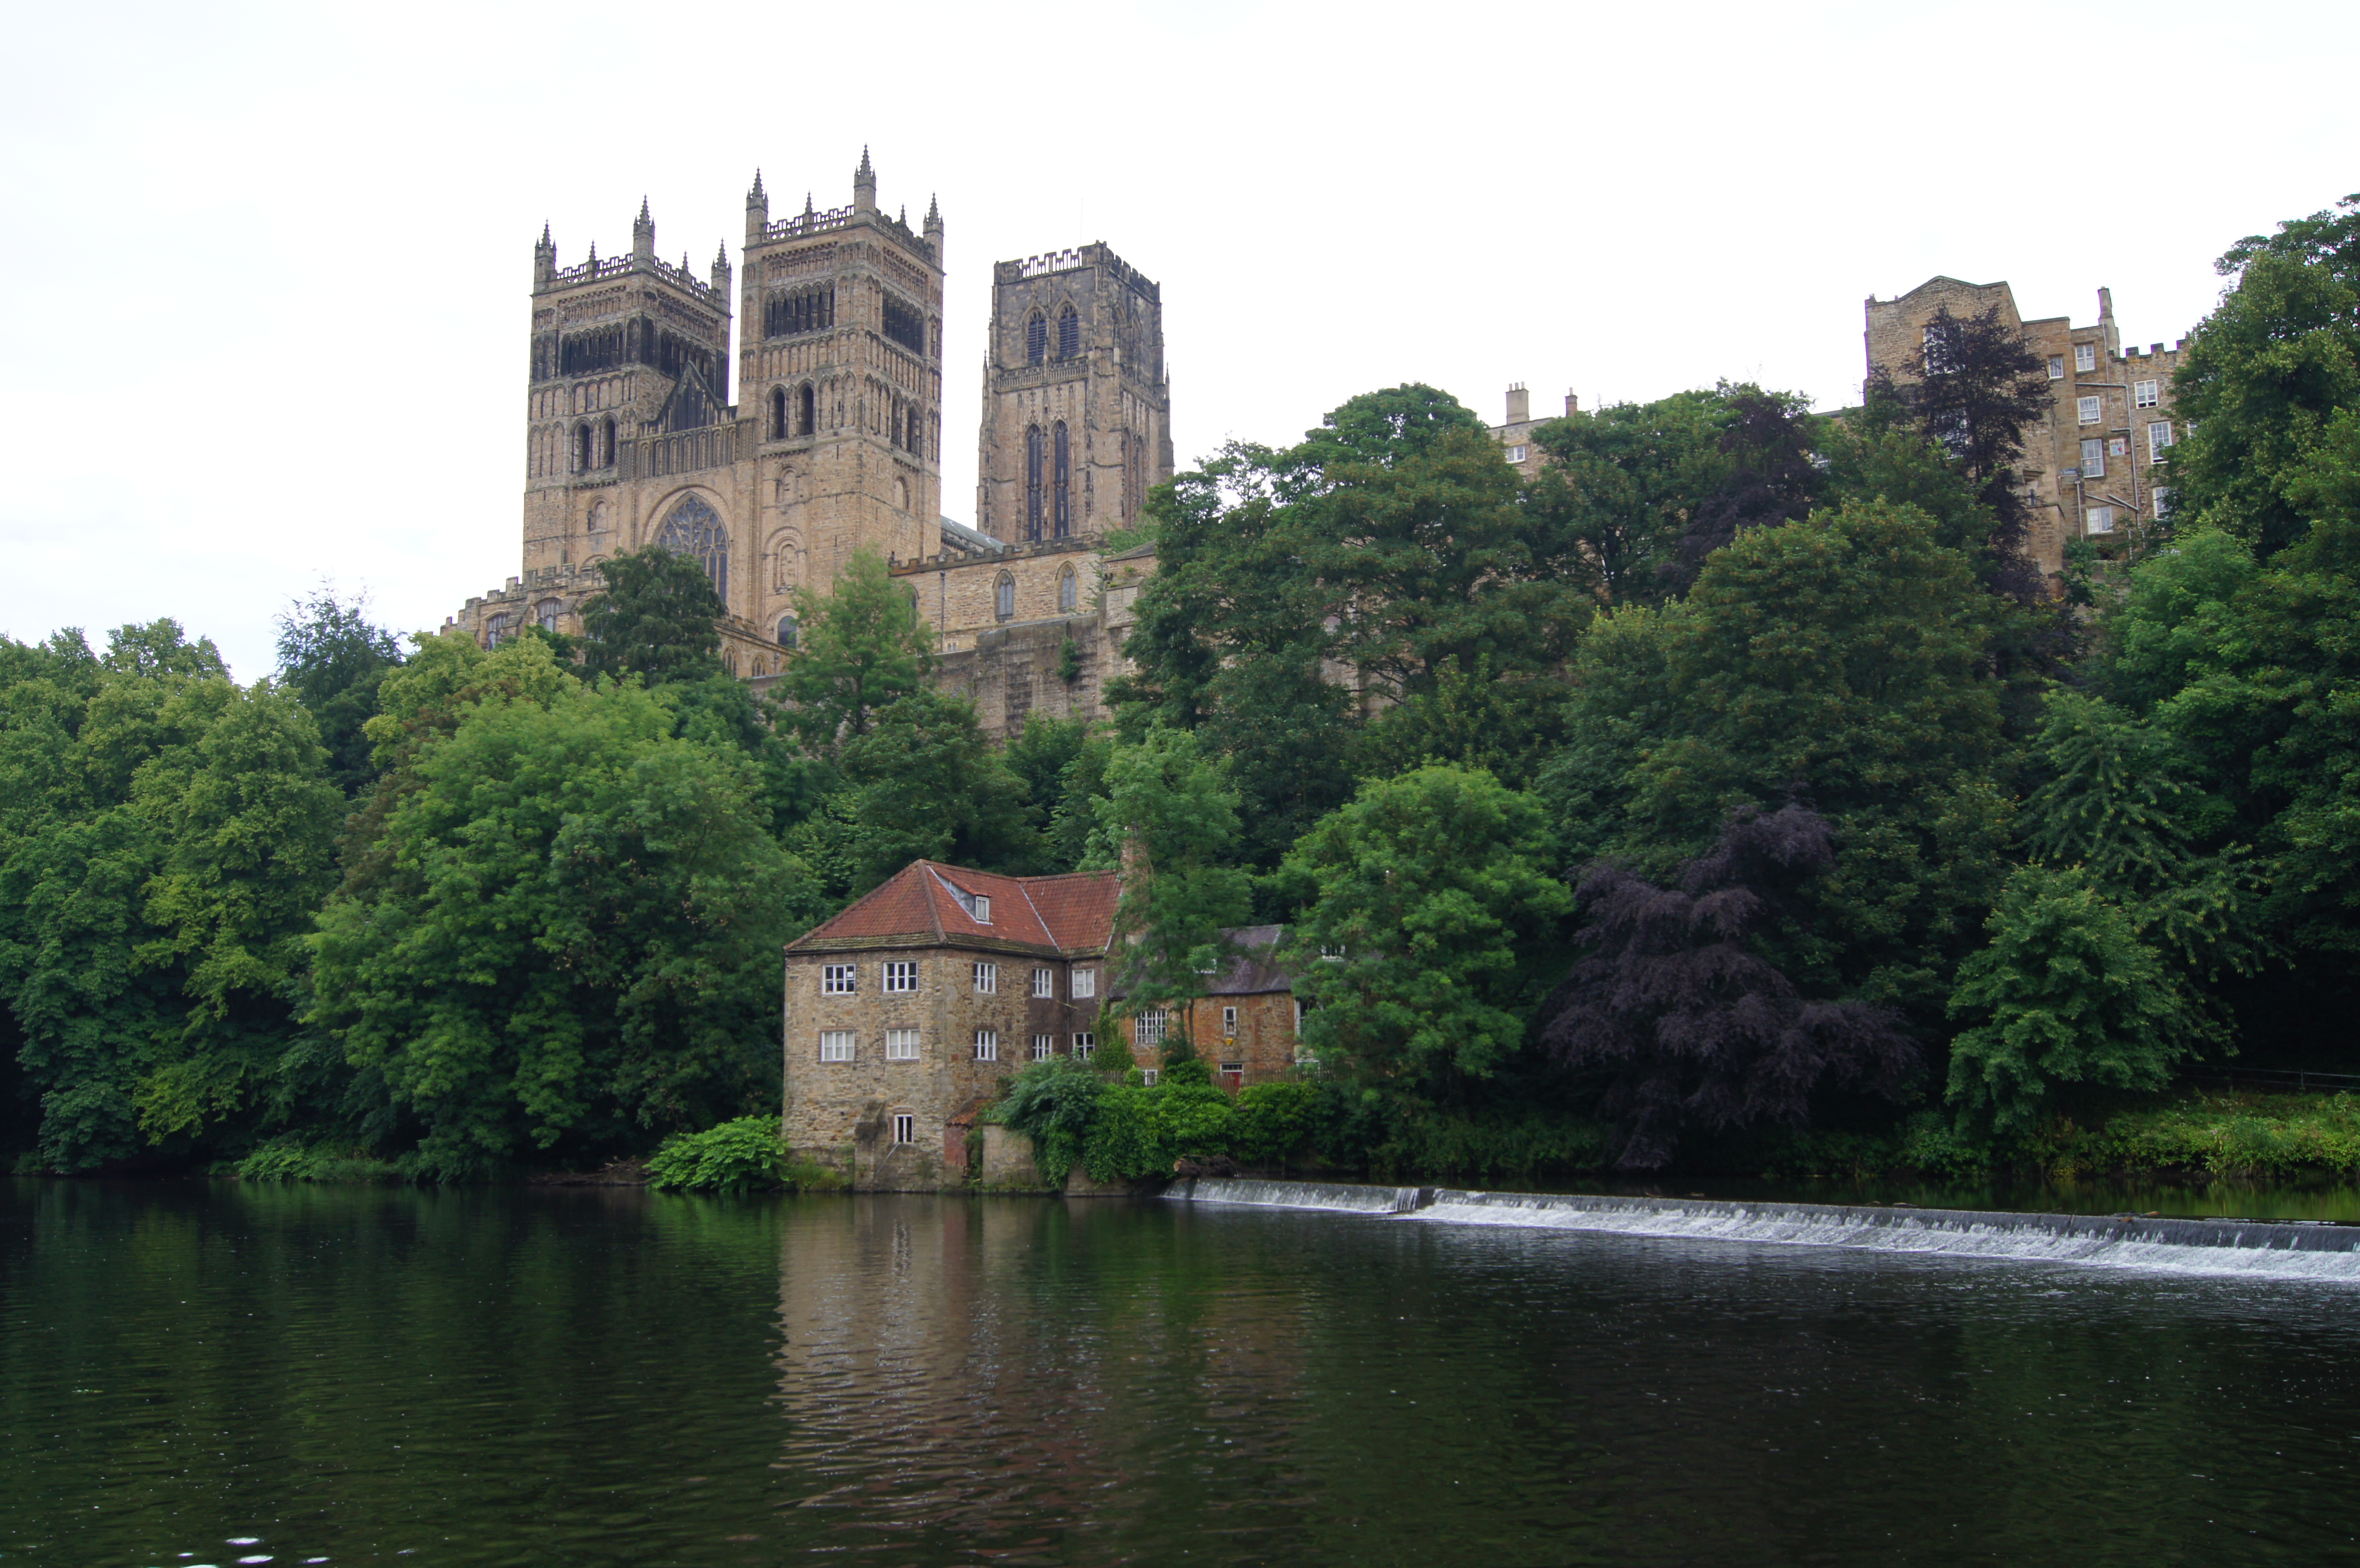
(977, 904)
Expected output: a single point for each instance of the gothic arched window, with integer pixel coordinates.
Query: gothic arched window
(1068, 592)
(1032, 482)
(1036, 339)
(582, 448)
(694, 529)
(496, 629)
(544, 614)
(786, 633)
(1069, 334)
(806, 418)
(917, 434)
(1003, 598)
(780, 429)
(1064, 484)
(609, 449)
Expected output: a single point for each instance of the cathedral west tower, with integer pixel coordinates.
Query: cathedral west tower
(1075, 401)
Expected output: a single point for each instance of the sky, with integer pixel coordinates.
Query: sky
(271, 264)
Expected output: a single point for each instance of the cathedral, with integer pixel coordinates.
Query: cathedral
(833, 443)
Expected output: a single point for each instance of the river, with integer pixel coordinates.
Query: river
(198, 1373)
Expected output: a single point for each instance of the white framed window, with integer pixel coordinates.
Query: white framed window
(977, 907)
(1044, 1047)
(982, 911)
(2144, 394)
(987, 1045)
(836, 1045)
(2163, 500)
(1148, 1076)
(1228, 1023)
(1147, 1028)
(987, 979)
(1298, 1017)
(1086, 984)
(1044, 982)
(901, 1045)
(2091, 412)
(2116, 446)
(1515, 455)
(905, 1127)
(838, 979)
(1331, 954)
(2159, 436)
(1233, 1069)
(2093, 459)
(2056, 367)
(2085, 356)
(2101, 519)
(902, 974)
(1086, 1045)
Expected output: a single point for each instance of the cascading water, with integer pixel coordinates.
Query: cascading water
(2244, 1247)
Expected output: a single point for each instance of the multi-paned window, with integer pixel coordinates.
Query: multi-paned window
(2144, 394)
(2056, 367)
(1228, 1023)
(2091, 410)
(987, 1045)
(1234, 1069)
(2101, 519)
(900, 975)
(836, 1045)
(1086, 1045)
(2093, 459)
(2163, 501)
(1147, 1028)
(987, 979)
(1043, 1047)
(1149, 1077)
(901, 1045)
(1086, 984)
(838, 979)
(1044, 982)
(905, 1127)
(2159, 436)
(1516, 454)
(2085, 356)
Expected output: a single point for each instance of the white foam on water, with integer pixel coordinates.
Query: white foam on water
(1347, 1197)
(2179, 1246)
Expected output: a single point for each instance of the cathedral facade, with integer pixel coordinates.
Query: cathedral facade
(834, 443)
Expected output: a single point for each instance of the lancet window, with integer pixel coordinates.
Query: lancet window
(1032, 482)
(806, 310)
(1069, 334)
(1036, 338)
(1065, 519)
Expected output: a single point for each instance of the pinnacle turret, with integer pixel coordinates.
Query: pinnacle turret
(864, 185)
(756, 194)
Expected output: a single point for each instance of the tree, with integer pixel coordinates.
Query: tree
(168, 837)
(1623, 489)
(566, 933)
(922, 782)
(859, 647)
(2065, 994)
(1976, 386)
(2263, 377)
(1772, 476)
(333, 658)
(1679, 1001)
(1428, 932)
(1169, 823)
(658, 618)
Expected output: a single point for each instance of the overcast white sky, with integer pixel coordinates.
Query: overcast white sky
(270, 262)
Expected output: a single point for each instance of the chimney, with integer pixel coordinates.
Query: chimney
(1520, 403)
(1572, 404)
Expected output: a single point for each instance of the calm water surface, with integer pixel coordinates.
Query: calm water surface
(195, 1374)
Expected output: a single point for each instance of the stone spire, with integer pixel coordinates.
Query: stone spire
(757, 210)
(643, 236)
(721, 269)
(864, 185)
(544, 259)
(934, 228)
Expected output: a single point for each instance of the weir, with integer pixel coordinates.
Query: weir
(2248, 1247)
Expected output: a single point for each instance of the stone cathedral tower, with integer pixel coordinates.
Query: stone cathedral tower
(631, 439)
(1076, 402)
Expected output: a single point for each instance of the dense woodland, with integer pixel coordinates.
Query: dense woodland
(1735, 795)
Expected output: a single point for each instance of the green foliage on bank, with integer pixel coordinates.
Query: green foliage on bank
(739, 1156)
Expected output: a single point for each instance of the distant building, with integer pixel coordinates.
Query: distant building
(904, 1014)
(2088, 466)
(1515, 437)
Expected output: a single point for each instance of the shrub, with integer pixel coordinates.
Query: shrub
(735, 1157)
(1054, 1103)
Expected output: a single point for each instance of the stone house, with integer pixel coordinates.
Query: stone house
(904, 1013)
(2090, 464)
(1245, 1027)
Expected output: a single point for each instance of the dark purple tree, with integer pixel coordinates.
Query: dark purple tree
(1699, 1028)
(1772, 479)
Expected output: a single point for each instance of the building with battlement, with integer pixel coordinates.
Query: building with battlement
(2088, 466)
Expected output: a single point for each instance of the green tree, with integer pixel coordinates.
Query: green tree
(859, 647)
(921, 782)
(567, 933)
(2066, 996)
(1624, 485)
(1433, 931)
(1169, 823)
(331, 658)
(658, 618)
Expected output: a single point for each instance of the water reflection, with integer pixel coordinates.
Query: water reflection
(194, 1374)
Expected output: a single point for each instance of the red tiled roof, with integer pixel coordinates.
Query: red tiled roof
(1068, 913)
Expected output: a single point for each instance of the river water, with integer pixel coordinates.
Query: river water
(214, 1374)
